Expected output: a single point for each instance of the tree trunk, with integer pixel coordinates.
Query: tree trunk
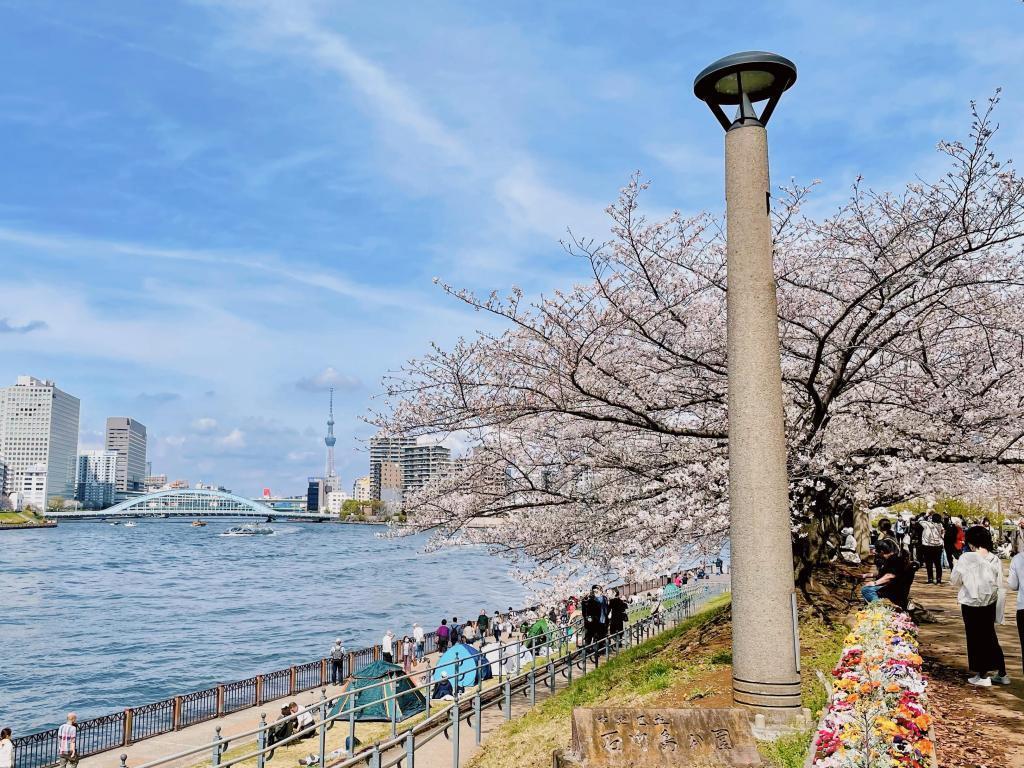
(862, 530)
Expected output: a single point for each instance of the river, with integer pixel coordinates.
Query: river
(95, 617)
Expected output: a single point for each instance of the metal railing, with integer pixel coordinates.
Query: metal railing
(558, 658)
(119, 729)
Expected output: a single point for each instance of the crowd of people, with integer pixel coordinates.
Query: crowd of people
(971, 554)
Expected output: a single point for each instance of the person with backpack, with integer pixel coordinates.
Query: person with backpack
(443, 636)
(979, 574)
(482, 624)
(337, 656)
(456, 633)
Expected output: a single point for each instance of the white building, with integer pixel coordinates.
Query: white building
(96, 483)
(335, 500)
(382, 450)
(361, 489)
(423, 463)
(128, 438)
(33, 487)
(39, 426)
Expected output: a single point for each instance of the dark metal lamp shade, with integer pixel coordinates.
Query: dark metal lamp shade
(745, 79)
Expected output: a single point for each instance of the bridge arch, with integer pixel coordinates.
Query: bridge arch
(191, 502)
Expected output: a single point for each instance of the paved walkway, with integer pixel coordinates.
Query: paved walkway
(1000, 709)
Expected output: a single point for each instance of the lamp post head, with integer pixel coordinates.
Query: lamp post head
(745, 79)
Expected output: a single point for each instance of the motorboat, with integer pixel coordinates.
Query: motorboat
(198, 523)
(115, 522)
(249, 529)
(130, 524)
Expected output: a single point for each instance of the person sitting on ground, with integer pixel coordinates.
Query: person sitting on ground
(892, 565)
(303, 721)
(283, 728)
(443, 688)
(979, 574)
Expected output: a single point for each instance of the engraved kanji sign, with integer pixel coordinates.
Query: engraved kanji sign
(631, 738)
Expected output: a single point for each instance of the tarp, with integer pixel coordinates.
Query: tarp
(541, 632)
(670, 592)
(512, 658)
(461, 663)
(369, 692)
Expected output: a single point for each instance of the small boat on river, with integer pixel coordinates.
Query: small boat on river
(198, 523)
(130, 524)
(249, 529)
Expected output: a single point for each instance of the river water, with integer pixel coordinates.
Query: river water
(94, 617)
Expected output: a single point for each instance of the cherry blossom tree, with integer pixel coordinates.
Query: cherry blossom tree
(598, 414)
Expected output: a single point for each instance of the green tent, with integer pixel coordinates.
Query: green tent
(539, 634)
(369, 692)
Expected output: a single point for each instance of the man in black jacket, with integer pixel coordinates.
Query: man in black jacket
(595, 621)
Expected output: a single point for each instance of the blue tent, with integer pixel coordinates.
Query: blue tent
(462, 662)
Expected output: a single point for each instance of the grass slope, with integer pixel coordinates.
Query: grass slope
(687, 664)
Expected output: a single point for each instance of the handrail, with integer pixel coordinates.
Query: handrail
(38, 749)
(454, 711)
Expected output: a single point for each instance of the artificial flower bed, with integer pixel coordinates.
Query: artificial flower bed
(877, 713)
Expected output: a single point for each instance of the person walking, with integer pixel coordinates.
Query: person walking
(387, 644)
(420, 639)
(6, 749)
(408, 654)
(67, 743)
(455, 636)
(337, 656)
(618, 616)
(950, 541)
(482, 625)
(496, 627)
(444, 634)
(931, 545)
(595, 621)
(1017, 538)
(979, 574)
(1016, 582)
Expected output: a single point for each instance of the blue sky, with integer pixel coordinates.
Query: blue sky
(210, 211)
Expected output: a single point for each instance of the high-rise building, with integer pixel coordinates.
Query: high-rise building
(154, 483)
(423, 463)
(97, 479)
(316, 494)
(390, 473)
(361, 489)
(384, 449)
(128, 438)
(39, 427)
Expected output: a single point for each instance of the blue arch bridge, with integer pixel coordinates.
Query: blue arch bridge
(189, 502)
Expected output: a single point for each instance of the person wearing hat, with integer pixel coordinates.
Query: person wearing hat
(337, 657)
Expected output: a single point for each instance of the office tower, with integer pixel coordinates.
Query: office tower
(316, 495)
(39, 428)
(97, 479)
(128, 438)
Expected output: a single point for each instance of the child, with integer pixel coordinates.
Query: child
(408, 654)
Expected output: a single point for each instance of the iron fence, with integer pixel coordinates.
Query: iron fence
(240, 694)
(38, 750)
(152, 719)
(198, 707)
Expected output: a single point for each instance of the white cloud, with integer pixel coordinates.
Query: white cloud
(327, 378)
(233, 439)
(204, 424)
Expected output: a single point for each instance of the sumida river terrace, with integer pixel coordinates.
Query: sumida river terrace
(99, 617)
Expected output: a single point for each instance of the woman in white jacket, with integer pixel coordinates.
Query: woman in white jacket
(1017, 582)
(979, 574)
